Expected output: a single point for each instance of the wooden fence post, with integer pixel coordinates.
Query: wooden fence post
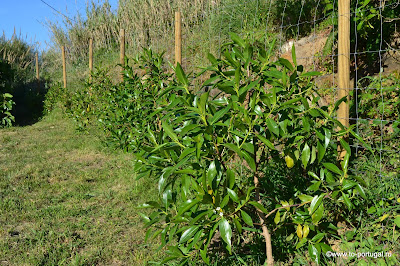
(37, 72)
(37, 66)
(178, 38)
(64, 66)
(122, 51)
(344, 62)
(91, 57)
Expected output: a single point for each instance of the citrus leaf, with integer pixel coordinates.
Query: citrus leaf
(333, 168)
(181, 75)
(317, 200)
(305, 155)
(233, 195)
(188, 233)
(246, 218)
(226, 233)
(266, 142)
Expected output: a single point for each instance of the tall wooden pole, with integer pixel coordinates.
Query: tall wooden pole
(344, 61)
(64, 66)
(178, 38)
(37, 72)
(122, 51)
(91, 57)
(37, 66)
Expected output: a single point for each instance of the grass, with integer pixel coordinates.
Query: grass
(65, 199)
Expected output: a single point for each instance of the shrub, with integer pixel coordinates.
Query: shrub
(6, 102)
(212, 157)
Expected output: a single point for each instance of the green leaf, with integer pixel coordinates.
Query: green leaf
(188, 233)
(315, 186)
(218, 115)
(246, 218)
(294, 55)
(181, 75)
(286, 63)
(186, 206)
(200, 215)
(273, 126)
(211, 172)
(212, 59)
(233, 195)
(321, 151)
(234, 148)
(237, 39)
(397, 221)
(347, 201)
(311, 74)
(314, 175)
(231, 178)
(345, 162)
(333, 168)
(347, 184)
(345, 145)
(313, 154)
(305, 198)
(186, 153)
(175, 251)
(224, 201)
(325, 248)
(145, 217)
(266, 141)
(258, 206)
(203, 102)
(301, 243)
(317, 200)
(305, 155)
(237, 224)
(318, 214)
(361, 191)
(274, 74)
(314, 254)
(318, 237)
(250, 160)
(277, 218)
(226, 233)
(170, 132)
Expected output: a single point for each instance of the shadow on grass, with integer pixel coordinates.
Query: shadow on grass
(29, 102)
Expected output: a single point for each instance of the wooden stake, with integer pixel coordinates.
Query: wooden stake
(91, 57)
(64, 66)
(344, 62)
(178, 38)
(122, 51)
(37, 66)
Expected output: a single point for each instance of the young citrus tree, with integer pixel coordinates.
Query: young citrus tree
(212, 155)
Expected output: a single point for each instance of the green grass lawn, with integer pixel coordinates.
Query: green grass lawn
(65, 199)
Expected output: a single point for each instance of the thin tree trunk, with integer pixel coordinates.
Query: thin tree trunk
(261, 215)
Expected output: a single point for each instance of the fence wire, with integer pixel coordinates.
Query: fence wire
(312, 26)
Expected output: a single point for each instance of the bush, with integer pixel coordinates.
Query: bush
(6, 102)
(212, 158)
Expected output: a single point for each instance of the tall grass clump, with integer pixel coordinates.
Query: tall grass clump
(19, 54)
(206, 24)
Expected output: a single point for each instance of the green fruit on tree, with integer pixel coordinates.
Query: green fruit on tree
(289, 161)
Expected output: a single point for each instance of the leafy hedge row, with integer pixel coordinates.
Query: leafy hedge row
(6, 98)
(259, 158)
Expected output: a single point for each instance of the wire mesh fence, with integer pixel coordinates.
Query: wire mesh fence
(312, 27)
